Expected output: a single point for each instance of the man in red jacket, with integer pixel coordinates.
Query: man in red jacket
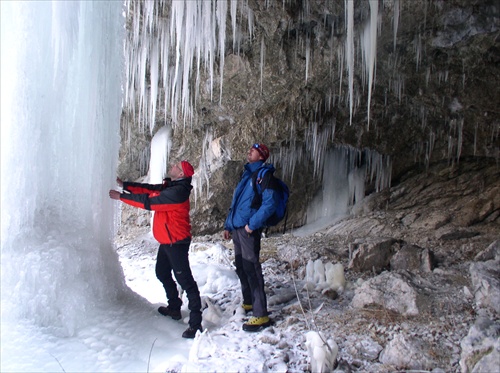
(172, 229)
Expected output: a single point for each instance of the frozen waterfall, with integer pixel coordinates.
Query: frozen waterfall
(61, 104)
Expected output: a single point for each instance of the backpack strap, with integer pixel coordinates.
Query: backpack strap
(259, 182)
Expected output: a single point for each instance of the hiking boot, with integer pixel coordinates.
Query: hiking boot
(247, 307)
(256, 324)
(191, 332)
(167, 311)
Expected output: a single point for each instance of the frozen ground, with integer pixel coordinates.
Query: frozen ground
(359, 334)
(223, 346)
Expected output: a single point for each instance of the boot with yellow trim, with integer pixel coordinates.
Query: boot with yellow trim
(256, 324)
(247, 307)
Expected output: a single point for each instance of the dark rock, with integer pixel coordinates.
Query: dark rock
(372, 255)
(413, 258)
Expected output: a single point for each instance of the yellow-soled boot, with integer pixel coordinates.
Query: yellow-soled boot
(256, 324)
(247, 307)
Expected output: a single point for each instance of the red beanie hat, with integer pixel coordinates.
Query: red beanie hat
(187, 169)
(262, 149)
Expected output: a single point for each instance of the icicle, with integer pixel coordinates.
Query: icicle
(418, 50)
(451, 141)
(475, 138)
(153, 76)
(262, 61)
(349, 46)
(430, 147)
(250, 22)
(340, 57)
(423, 117)
(401, 88)
(234, 11)
(396, 21)
(221, 24)
(202, 176)
(369, 44)
(459, 140)
(144, 157)
(308, 55)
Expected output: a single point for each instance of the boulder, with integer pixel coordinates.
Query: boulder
(413, 258)
(371, 255)
(485, 278)
(481, 347)
(388, 290)
(406, 353)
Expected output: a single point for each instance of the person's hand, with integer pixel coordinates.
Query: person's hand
(114, 194)
(119, 182)
(227, 235)
(247, 229)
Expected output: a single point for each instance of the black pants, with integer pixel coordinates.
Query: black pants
(249, 270)
(176, 258)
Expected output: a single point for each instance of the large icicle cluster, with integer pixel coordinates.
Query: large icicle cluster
(175, 45)
(169, 43)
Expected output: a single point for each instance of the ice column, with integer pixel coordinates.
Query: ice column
(61, 106)
(160, 151)
(345, 172)
(322, 352)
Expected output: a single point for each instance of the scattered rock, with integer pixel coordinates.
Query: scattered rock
(371, 255)
(485, 278)
(413, 258)
(481, 347)
(457, 235)
(390, 291)
(491, 252)
(412, 354)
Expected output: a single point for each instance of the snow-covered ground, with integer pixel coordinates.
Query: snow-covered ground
(223, 346)
(131, 336)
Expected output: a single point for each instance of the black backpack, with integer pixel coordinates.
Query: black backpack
(261, 182)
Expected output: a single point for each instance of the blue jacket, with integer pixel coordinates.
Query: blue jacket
(241, 213)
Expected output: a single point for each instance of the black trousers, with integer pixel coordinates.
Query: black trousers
(176, 258)
(249, 270)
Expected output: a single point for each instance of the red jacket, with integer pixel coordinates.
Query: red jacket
(169, 201)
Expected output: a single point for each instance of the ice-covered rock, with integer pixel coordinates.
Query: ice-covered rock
(322, 352)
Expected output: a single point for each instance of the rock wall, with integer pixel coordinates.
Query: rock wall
(286, 82)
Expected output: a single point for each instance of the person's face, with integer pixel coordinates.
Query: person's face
(253, 155)
(176, 171)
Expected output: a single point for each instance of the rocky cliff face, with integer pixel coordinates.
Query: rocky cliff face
(420, 87)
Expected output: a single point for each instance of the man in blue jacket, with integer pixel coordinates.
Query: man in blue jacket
(245, 223)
